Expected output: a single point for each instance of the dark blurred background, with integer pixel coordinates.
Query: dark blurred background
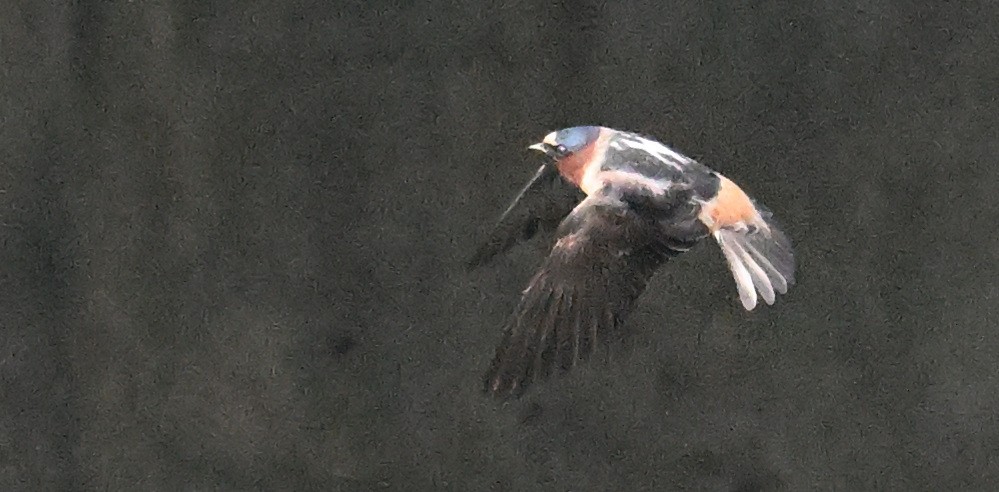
(233, 231)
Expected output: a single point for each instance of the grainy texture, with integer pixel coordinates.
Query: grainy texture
(233, 242)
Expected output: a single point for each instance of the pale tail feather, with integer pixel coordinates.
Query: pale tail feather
(761, 261)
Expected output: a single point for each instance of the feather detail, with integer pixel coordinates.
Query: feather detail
(760, 259)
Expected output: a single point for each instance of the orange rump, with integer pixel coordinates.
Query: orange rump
(729, 207)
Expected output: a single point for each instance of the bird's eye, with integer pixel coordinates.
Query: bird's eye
(561, 149)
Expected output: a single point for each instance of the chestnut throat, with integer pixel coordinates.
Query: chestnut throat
(574, 166)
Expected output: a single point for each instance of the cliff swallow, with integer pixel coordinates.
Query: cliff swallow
(620, 204)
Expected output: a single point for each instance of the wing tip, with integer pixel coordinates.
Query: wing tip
(482, 256)
(504, 390)
(472, 263)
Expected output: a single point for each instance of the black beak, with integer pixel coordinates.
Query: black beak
(545, 148)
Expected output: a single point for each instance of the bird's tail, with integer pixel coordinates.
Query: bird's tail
(760, 257)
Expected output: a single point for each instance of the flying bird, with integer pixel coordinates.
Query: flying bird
(618, 204)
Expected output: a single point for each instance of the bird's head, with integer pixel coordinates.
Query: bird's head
(568, 141)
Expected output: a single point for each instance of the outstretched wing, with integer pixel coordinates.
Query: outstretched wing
(540, 206)
(605, 255)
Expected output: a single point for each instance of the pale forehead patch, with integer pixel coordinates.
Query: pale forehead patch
(550, 139)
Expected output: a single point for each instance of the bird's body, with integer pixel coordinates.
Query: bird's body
(620, 204)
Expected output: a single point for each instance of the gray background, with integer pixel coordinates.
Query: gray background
(232, 235)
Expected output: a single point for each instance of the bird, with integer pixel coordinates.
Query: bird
(614, 207)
